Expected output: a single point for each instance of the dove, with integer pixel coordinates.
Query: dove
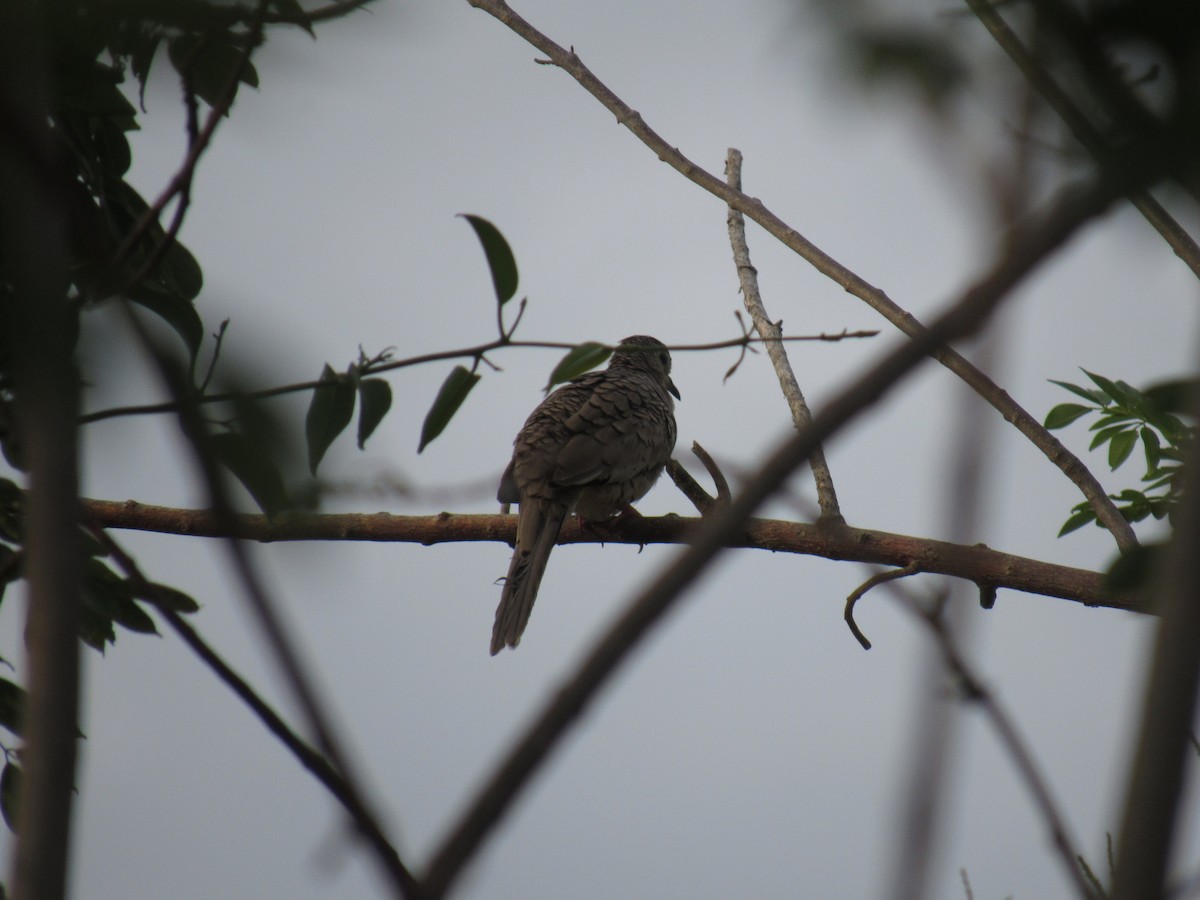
(592, 447)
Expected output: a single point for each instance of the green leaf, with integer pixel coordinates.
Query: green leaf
(374, 401)
(580, 359)
(10, 568)
(112, 147)
(1122, 445)
(167, 597)
(1153, 448)
(1108, 386)
(1064, 414)
(1107, 434)
(12, 705)
(10, 792)
(450, 397)
(1110, 418)
(499, 257)
(12, 502)
(1085, 393)
(1077, 520)
(212, 67)
(182, 271)
(250, 464)
(111, 597)
(293, 12)
(173, 309)
(329, 413)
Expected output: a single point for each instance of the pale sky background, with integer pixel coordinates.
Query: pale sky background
(751, 748)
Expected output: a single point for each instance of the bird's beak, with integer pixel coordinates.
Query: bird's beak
(674, 390)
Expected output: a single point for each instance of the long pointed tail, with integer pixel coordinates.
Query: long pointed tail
(537, 529)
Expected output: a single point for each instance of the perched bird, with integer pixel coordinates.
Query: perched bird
(592, 447)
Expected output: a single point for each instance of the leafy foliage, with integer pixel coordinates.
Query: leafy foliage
(1127, 418)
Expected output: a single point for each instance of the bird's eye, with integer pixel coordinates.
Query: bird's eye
(663, 358)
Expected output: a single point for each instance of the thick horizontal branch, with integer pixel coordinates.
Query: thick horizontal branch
(976, 563)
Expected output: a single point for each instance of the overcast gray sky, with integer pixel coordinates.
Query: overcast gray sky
(751, 748)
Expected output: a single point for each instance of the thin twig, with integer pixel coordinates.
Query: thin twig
(180, 185)
(720, 483)
(263, 607)
(751, 297)
(689, 487)
(857, 594)
(476, 352)
(1055, 451)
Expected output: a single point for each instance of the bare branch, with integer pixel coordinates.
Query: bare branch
(973, 562)
(977, 692)
(724, 495)
(1055, 451)
(181, 182)
(689, 487)
(1149, 825)
(36, 343)
(748, 278)
(375, 367)
(309, 758)
(262, 605)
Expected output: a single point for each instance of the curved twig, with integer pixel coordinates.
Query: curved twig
(874, 581)
(724, 495)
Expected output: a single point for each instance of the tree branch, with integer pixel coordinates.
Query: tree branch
(1087, 134)
(1155, 789)
(476, 352)
(748, 278)
(37, 331)
(1007, 733)
(1055, 451)
(308, 757)
(973, 562)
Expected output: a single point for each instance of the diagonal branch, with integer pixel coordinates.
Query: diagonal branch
(308, 757)
(1055, 451)
(748, 277)
(1087, 134)
(976, 691)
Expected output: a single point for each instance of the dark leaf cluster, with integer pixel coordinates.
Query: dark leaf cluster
(1125, 418)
